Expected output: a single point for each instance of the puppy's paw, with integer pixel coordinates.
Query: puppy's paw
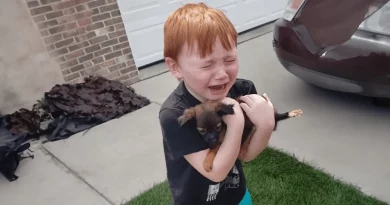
(295, 113)
(207, 165)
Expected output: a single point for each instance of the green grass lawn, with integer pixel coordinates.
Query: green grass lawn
(277, 178)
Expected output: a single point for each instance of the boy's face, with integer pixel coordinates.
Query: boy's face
(208, 78)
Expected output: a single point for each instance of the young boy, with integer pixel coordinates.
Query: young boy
(201, 52)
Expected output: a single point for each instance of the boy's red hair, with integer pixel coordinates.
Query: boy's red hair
(197, 23)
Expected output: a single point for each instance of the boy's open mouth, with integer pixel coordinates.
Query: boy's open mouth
(217, 88)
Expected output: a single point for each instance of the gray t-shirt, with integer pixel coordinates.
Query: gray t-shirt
(188, 186)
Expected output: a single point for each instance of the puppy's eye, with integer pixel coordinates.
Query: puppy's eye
(201, 130)
(219, 126)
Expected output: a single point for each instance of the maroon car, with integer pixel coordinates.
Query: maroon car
(338, 45)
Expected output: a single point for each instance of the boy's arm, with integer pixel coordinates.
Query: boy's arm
(259, 141)
(226, 155)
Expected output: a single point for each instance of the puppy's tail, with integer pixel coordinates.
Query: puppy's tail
(286, 115)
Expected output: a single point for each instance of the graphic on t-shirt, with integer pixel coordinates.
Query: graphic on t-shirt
(213, 191)
(232, 181)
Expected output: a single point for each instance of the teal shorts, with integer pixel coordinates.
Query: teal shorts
(247, 200)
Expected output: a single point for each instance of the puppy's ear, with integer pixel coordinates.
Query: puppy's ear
(187, 115)
(225, 109)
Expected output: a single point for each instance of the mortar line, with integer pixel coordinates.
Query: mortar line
(78, 176)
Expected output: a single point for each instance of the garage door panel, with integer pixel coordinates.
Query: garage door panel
(144, 20)
(154, 36)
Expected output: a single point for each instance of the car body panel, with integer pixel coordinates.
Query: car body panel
(359, 63)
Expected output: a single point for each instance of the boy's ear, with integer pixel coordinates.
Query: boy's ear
(173, 67)
(187, 115)
(225, 109)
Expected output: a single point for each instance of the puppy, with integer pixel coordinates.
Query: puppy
(209, 122)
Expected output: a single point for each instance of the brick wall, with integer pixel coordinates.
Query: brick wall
(86, 37)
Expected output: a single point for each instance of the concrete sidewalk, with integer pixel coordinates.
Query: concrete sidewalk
(115, 161)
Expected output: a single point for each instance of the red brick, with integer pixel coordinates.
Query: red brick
(122, 59)
(68, 4)
(86, 58)
(45, 33)
(65, 72)
(64, 42)
(108, 63)
(123, 39)
(69, 34)
(69, 11)
(52, 39)
(41, 10)
(103, 51)
(96, 3)
(92, 48)
(78, 46)
(95, 11)
(88, 64)
(74, 54)
(95, 26)
(50, 47)
(98, 39)
(134, 73)
(54, 14)
(98, 60)
(69, 64)
(77, 68)
(81, 7)
(111, 1)
(103, 31)
(92, 70)
(131, 62)
(83, 14)
(126, 70)
(109, 43)
(101, 17)
(112, 75)
(61, 59)
(124, 77)
(47, 24)
(59, 52)
(63, 28)
(86, 37)
(113, 55)
(49, 1)
(112, 21)
(119, 26)
(101, 72)
(84, 22)
(40, 18)
(126, 51)
(120, 46)
(110, 7)
(32, 4)
(117, 33)
(71, 77)
(115, 13)
(117, 67)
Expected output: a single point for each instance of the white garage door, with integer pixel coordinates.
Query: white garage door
(144, 20)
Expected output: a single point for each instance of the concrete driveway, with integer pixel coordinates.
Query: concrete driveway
(344, 134)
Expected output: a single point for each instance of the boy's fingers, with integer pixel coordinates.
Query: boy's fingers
(249, 102)
(267, 98)
(245, 107)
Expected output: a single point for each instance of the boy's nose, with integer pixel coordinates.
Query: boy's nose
(221, 73)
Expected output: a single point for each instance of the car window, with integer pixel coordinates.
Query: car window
(379, 22)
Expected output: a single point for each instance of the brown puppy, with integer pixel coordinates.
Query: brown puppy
(209, 122)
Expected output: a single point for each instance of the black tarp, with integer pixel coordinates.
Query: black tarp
(65, 110)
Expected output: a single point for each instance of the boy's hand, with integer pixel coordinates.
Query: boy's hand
(238, 115)
(259, 110)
